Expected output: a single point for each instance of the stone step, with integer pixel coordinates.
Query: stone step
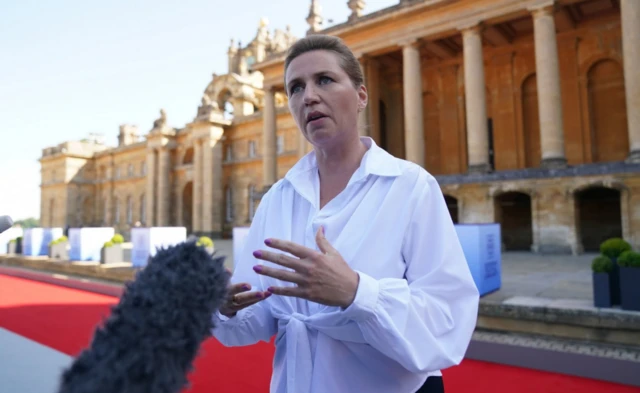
(569, 319)
(595, 360)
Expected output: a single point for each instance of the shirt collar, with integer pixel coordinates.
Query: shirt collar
(376, 161)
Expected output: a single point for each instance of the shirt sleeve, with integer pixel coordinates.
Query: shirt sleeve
(424, 322)
(254, 323)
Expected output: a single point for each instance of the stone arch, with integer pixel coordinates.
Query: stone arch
(452, 205)
(225, 102)
(188, 156)
(530, 121)
(242, 95)
(598, 214)
(607, 111)
(88, 210)
(513, 209)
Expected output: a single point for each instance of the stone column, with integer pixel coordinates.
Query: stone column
(475, 100)
(163, 190)
(151, 188)
(364, 121)
(269, 152)
(196, 218)
(212, 183)
(549, 95)
(412, 89)
(630, 14)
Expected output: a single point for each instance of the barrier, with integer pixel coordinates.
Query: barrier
(35, 241)
(146, 241)
(86, 243)
(481, 244)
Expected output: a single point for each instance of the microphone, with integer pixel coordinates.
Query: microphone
(5, 223)
(154, 332)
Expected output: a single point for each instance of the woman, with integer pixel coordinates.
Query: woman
(352, 259)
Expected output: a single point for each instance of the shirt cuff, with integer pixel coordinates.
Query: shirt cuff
(364, 304)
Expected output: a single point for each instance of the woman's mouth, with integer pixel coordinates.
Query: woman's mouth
(315, 118)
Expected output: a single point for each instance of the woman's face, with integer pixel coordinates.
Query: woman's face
(322, 98)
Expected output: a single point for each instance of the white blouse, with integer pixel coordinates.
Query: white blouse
(416, 304)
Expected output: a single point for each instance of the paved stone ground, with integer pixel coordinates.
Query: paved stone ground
(618, 352)
(528, 278)
(552, 277)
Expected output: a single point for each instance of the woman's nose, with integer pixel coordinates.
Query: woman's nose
(310, 95)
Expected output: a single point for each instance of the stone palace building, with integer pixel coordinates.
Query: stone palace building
(526, 111)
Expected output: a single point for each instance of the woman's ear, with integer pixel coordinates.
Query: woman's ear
(363, 98)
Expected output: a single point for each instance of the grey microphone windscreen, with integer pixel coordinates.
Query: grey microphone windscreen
(5, 223)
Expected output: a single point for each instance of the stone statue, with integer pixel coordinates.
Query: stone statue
(207, 106)
(162, 121)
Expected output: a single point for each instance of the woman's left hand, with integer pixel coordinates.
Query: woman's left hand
(321, 276)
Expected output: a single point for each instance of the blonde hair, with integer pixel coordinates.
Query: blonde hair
(348, 60)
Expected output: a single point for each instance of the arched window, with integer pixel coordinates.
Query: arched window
(252, 207)
(129, 209)
(116, 211)
(229, 204)
(143, 209)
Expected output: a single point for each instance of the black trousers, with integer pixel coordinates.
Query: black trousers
(432, 385)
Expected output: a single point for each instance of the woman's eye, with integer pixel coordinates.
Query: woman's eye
(295, 89)
(325, 79)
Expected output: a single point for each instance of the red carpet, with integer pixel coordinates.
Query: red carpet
(64, 319)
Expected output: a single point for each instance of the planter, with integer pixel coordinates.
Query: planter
(614, 282)
(59, 251)
(112, 254)
(630, 288)
(15, 247)
(602, 290)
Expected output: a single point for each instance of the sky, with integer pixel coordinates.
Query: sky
(74, 67)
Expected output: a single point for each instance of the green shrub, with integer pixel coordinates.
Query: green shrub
(108, 244)
(59, 240)
(13, 241)
(629, 259)
(205, 242)
(117, 239)
(614, 247)
(601, 264)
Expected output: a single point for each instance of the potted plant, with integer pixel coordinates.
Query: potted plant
(15, 245)
(602, 267)
(629, 263)
(12, 246)
(59, 248)
(613, 248)
(207, 243)
(112, 250)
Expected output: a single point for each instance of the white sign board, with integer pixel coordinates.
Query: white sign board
(35, 241)
(86, 243)
(239, 236)
(146, 241)
(481, 244)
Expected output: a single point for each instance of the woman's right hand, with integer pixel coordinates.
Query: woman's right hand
(239, 298)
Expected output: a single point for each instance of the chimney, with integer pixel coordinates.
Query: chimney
(128, 135)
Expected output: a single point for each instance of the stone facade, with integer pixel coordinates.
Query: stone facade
(526, 111)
